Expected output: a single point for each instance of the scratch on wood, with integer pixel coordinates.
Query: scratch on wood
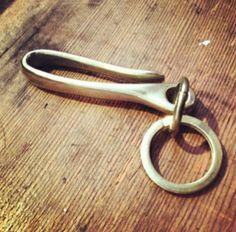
(64, 179)
(11, 45)
(152, 9)
(26, 147)
(83, 228)
(197, 8)
(26, 186)
(3, 138)
(93, 3)
(21, 96)
(35, 31)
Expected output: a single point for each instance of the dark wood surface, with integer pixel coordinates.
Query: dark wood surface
(73, 164)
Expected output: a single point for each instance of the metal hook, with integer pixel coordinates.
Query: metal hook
(148, 93)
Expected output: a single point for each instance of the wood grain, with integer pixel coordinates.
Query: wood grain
(73, 164)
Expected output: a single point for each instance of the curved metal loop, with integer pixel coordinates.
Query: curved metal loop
(203, 129)
(45, 58)
(148, 93)
(183, 89)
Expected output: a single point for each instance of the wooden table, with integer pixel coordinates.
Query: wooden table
(73, 164)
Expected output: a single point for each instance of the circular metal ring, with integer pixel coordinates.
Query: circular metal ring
(203, 129)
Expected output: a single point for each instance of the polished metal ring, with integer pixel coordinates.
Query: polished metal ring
(186, 188)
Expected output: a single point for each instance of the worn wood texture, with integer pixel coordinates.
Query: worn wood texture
(73, 164)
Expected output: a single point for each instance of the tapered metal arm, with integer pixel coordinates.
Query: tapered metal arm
(151, 94)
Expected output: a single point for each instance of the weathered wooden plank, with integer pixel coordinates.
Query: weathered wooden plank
(73, 164)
